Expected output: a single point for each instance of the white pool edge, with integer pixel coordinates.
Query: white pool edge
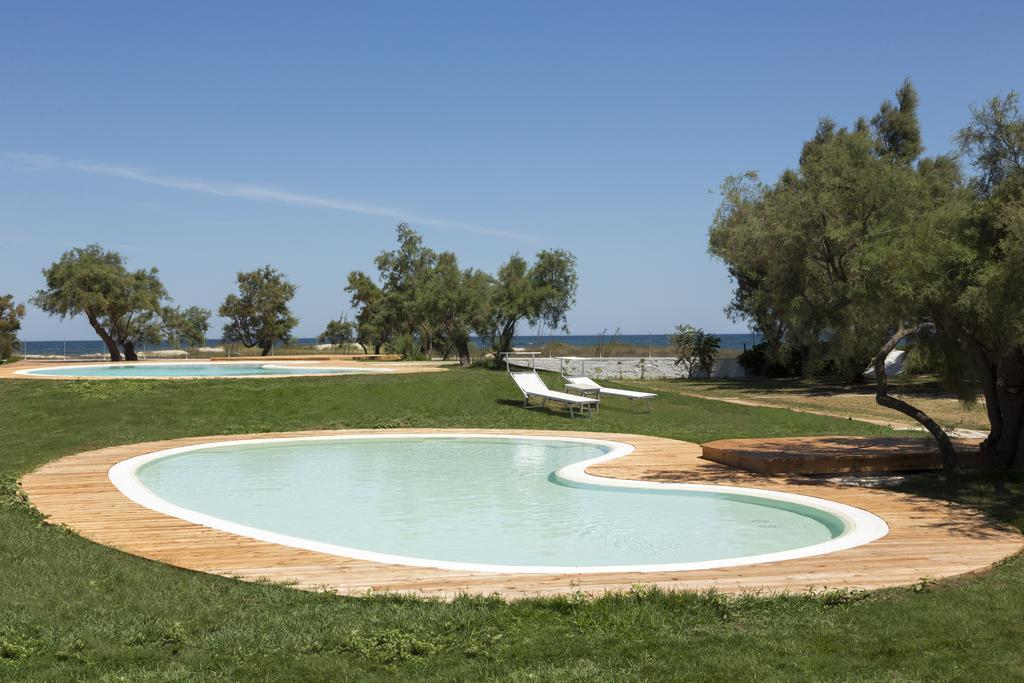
(861, 526)
(311, 364)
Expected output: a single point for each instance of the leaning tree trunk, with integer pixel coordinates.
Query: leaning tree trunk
(265, 349)
(1009, 449)
(506, 336)
(108, 341)
(882, 397)
(129, 350)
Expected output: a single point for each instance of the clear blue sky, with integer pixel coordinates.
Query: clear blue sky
(207, 138)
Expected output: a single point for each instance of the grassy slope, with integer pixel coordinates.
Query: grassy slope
(77, 610)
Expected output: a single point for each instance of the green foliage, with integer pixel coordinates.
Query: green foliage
(186, 327)
(897, 132)
(759, 361)
(695, 349)
(406, 346)
(425, 296)
(123, 307)
(372, 320)
(866, 239)
(338, 332)
(456, 302)
(539, 294)
(812, 254)
(11, 315)
(258, 316)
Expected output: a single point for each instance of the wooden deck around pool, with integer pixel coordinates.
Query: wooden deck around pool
(927, 538)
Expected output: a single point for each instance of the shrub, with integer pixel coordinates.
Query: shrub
(759, 362)
(695, 349)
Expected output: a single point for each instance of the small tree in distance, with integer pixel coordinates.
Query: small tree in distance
(695, 349)
(11, 315)
(258, 316)
(186, 327)
(543, 292)
(338, 332)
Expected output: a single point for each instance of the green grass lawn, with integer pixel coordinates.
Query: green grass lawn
(75, 610)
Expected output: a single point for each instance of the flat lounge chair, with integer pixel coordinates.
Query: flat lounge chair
(533, 386)
(587, 385)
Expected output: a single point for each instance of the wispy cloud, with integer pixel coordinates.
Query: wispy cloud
(251, 193)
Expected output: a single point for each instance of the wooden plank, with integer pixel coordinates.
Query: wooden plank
(836, 454)
(927, 537)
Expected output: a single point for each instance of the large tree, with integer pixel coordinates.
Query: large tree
(258, 316)
(373, 322)
(11, 315)
(455, 302)
(423, 301)
(391, 309)
(541, 293)
(119, 304)
(867, 245)
(974, 274)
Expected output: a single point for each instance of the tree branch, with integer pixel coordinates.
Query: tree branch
(946, 449)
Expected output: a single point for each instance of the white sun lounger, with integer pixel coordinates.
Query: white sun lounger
(533, 386)
(587, 385)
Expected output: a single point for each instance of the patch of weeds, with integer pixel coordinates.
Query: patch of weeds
(13, 648)
(392, 423)
(389, 645)
(839, 597)
(639, 592)
(12, 497)
(721, 604)
(484, 644)
(924, 583)
(109, 388)
(174, 637)
(72, 650)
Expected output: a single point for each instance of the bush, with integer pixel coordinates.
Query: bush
(695, 349)
(407, 347)
(757, 361)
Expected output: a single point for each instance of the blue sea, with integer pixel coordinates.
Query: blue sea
(80, 347)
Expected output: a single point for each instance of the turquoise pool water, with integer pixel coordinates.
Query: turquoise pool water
(221, 369)
(474, 500)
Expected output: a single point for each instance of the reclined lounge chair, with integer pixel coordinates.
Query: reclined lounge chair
(586, 386)
(533, 386)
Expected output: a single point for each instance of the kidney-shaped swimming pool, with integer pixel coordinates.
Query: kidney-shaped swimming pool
(182, 370)
(481, 502)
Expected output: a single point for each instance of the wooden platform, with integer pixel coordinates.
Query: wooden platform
(836, 454)
(927, 538)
